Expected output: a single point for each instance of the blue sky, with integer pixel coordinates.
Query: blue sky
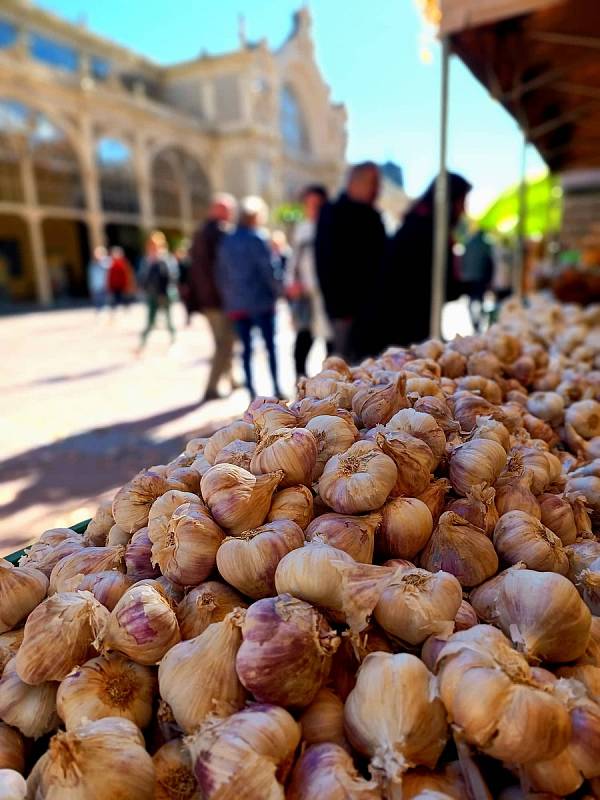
(369, 52)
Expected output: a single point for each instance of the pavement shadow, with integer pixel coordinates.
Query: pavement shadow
(91, 462)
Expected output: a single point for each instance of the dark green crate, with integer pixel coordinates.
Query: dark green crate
(80, 527)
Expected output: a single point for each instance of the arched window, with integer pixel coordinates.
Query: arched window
(166, 185)
(198, 186)
(118, 189)
(25, 131)
(291, 123)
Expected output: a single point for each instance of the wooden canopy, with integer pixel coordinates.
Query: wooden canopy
(541, 60)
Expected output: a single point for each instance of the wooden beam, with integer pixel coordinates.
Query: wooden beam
(566, 39)
(557, 122)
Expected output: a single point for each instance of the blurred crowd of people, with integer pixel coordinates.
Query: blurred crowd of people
(347, 283)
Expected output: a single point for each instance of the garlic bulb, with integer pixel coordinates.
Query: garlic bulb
(107, 587)
(467, 407)
(323, 720)
(237, 452)
(521, 537)
(543, 615)
(588, 487)
(142, 625)
(557, 514)
(138, 557)
(169, 590)
(285, 656)
(9, 644)
(413, 459)
(291, 450)
(174, 774)
(434, 497)
(12, 748)
(132, 503)
(12, 785)
(196, 446)
(438, 408)
(162, 510)
(538, 429)
(184, 479)
(584, 416)
(99, 526)
(406, 527)
(460, 548)
(587, 674)
(224, 436)
(106, 686)
(245, 755)
(375, 404)
(588, 585)
(58, 635)
(353, 535)
(478, 507)
(207, 603)
(29, 709)
(491, 695)
(333, 435)
(330, 578)
(488, 428)
(270, 417)
(309, 407)
(475, 462)
(44, 555)
(484, 363)
(548, 406)
(543, 466)
(198, 676)
(581, 554)
(21, 590)
(465, 617)
(238, 500)
(453, 364)
(424, 784)
(294, 503)
(67, 574)
(513, 489)
(104, 759)
(186, 553)
(358, 480)
(418, 603)
(422, 387)
(394, 716)
(487, 388)
(248, 561)
(422, 426)
(327, 771)
(116, 536)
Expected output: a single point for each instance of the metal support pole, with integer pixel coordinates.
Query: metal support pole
(441, 216)
(521, 225)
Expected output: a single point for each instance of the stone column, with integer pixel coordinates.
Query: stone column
(34, 226)
(144, 182)
(91, 185)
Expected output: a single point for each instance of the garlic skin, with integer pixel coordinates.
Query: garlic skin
(460, 548)
(29, 709)
(492, 696)
(418, 603)
(327, 577)
(453, 364)
(466, 408)
(406, 527)
(198, 676)
(513, 489)
(12, 749)
(238, 500)
(186, 553)
(434, 497)
(327, 771)
(142, 626)
(581, 554)
(12, 785)
(117, 536)
(588, 586)
(521, 537)
(438, 408)
(291, 450)
(106, 686)
(9, 644)
(224, 436)
(354, 535)
(21, 590)
(358, 480)
(488, 428)
(162, 510)
(195, 446)
(323, 720)
(422, 426)
(58, 635)
(377, 404)
(475, 462)
(270, 417)
(45, 554)
(294, 503)
(237, 452)
(548, 406)
(245, 755)
(204, 604)
(107, 587)
(103, 759)
(99, 526)
(333, 435)
(413, 459)
(584, 417)
(478, 508)
(132, 503)
(138, 557)
(175, 778)
(557, 514)
(285, 656)
(68, 573)
(543, 615)
(248, 561)
(309, 407)
(394, 716)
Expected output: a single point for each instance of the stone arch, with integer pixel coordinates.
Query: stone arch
(181, 189)
(116, 176)
(293, 121)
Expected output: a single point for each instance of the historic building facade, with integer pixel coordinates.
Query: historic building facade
(99, 145)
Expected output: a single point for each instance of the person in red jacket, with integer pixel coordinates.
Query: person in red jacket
(118, 278)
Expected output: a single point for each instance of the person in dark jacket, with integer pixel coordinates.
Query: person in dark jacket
(349, 249)
(477, 272)
(245, 278)
(406, 289)
(203, 293)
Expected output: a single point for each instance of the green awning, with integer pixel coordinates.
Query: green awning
(543, 209)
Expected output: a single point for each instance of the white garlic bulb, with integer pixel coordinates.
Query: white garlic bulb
(358, 480)
(291, 450)
(204, 604)
(238, 500)
(132, 503)
(12, 785)
(174, 775)
(21, 590)
(29, 709)
(521, 537)
(327, 771)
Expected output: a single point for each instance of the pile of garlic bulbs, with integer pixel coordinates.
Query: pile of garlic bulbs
(387, 588)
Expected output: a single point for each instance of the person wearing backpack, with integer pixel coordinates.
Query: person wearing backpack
(118, 277)
(158, 277)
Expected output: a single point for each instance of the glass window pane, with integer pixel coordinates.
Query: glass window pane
(100, 68)
(118, 188)
(54, 53)
(291, 122)
(8, 33)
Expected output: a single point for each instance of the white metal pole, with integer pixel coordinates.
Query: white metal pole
(521, 225)
(441, 216)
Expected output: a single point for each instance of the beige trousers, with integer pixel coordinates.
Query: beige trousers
(224, 337)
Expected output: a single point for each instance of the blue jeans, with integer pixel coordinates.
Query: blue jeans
(265, 322)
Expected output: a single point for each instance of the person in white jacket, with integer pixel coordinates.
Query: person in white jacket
(302, 284)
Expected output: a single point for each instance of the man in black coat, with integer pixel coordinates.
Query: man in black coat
(349, 249)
